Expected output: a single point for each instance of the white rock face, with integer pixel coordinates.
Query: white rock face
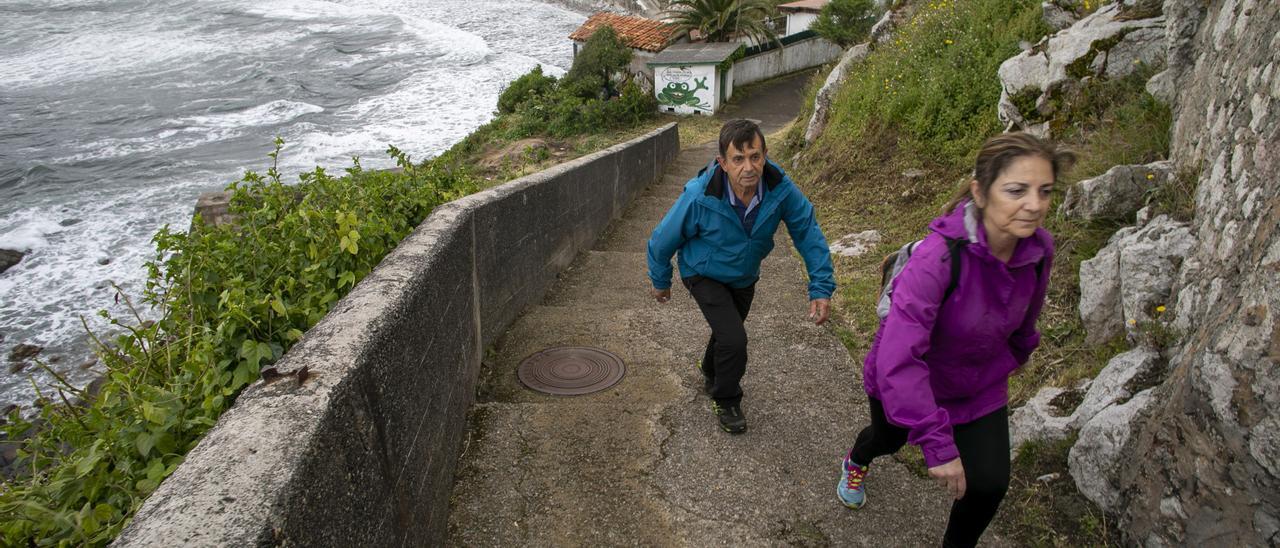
(1040, 420)
(856, 245)
(1096, 456)
(880, 32)
(1111, 385)
(1132, 275)
(1117, 193)
(1056, 16)
(822, 101)
(1102, 43)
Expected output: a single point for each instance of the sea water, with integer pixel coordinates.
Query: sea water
(115, 115)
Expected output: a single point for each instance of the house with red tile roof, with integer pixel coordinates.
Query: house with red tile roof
(646, 37)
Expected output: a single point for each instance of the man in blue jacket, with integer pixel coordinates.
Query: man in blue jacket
(723, 226)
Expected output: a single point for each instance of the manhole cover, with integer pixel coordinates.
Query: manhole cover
(571, 370)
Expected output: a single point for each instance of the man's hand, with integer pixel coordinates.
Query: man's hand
(951, 476)
(660, 295)
(819, 310)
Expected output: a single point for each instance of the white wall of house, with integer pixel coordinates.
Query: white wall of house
(776, 62)
(800, 22)
(693, 89)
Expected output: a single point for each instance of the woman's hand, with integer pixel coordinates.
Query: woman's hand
(951, 476)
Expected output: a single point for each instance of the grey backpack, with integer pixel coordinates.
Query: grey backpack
(896, 261)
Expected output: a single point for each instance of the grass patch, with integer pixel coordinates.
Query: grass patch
(1044, 508)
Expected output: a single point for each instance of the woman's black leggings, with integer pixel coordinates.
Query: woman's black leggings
(984, 452)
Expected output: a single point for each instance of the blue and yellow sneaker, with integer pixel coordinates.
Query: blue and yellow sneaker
(850, 489)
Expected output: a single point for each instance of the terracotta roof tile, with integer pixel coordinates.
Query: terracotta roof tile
(635, 32)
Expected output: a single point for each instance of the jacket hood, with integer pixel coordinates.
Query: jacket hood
(962, 223)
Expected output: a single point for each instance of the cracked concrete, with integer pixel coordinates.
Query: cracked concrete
(644, 462)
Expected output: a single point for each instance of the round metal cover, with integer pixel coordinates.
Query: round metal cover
(571, 370)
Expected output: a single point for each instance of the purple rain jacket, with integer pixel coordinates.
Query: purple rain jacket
(935, 366)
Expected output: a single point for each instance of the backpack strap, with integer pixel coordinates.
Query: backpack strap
(956, 248)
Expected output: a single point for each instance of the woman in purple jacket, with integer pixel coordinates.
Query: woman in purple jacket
(938, 370)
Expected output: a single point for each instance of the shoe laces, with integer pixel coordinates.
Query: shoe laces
(854, 473)
(722, 410)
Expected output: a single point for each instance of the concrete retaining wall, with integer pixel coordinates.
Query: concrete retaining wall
(363, 452)
(776, 62)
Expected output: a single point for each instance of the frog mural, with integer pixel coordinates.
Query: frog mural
(678, 94)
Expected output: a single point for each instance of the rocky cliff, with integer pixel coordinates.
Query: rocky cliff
(1203, 465)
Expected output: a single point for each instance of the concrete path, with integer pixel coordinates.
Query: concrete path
(645, 463)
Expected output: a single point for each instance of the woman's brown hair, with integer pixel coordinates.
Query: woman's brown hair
(998, 152)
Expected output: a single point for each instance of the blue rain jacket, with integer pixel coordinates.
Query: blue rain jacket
(711, 241)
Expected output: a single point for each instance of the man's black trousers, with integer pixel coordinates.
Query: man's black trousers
(725, 309)
(984, 451)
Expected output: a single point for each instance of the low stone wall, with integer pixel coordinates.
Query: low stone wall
(362, 452)
(776, 62)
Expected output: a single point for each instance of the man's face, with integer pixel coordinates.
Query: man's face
(744, 165)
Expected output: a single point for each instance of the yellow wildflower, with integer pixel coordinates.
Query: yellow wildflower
(1160, 309)
(948, 41)
(1133, 321)
(1151, 176)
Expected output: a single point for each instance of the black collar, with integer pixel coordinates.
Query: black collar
(715, 187)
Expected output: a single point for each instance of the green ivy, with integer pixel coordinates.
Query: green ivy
(232, 300)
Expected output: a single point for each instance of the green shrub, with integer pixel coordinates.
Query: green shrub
(232, 300)
(846, 22)
(524, 89)
(934, 86)
(594, 68)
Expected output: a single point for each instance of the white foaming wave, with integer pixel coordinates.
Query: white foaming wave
(85, 56)
(30, 235)
(424, 116)
(272, 113)
(459, 46)
(64, 278)
(167, 140)
(310, 10)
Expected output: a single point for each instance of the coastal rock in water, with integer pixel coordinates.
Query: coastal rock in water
(24, 351)
(1133, 274)
(1095, 458)
(1103, 43)
(1116, 194)
(856, 245)
(214, 208)
(8, 258)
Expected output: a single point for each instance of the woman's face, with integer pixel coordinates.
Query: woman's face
(1018, 200)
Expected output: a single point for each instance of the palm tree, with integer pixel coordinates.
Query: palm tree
(720, 20)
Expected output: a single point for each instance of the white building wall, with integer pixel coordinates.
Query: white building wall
(800, 22)
(798, 56)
